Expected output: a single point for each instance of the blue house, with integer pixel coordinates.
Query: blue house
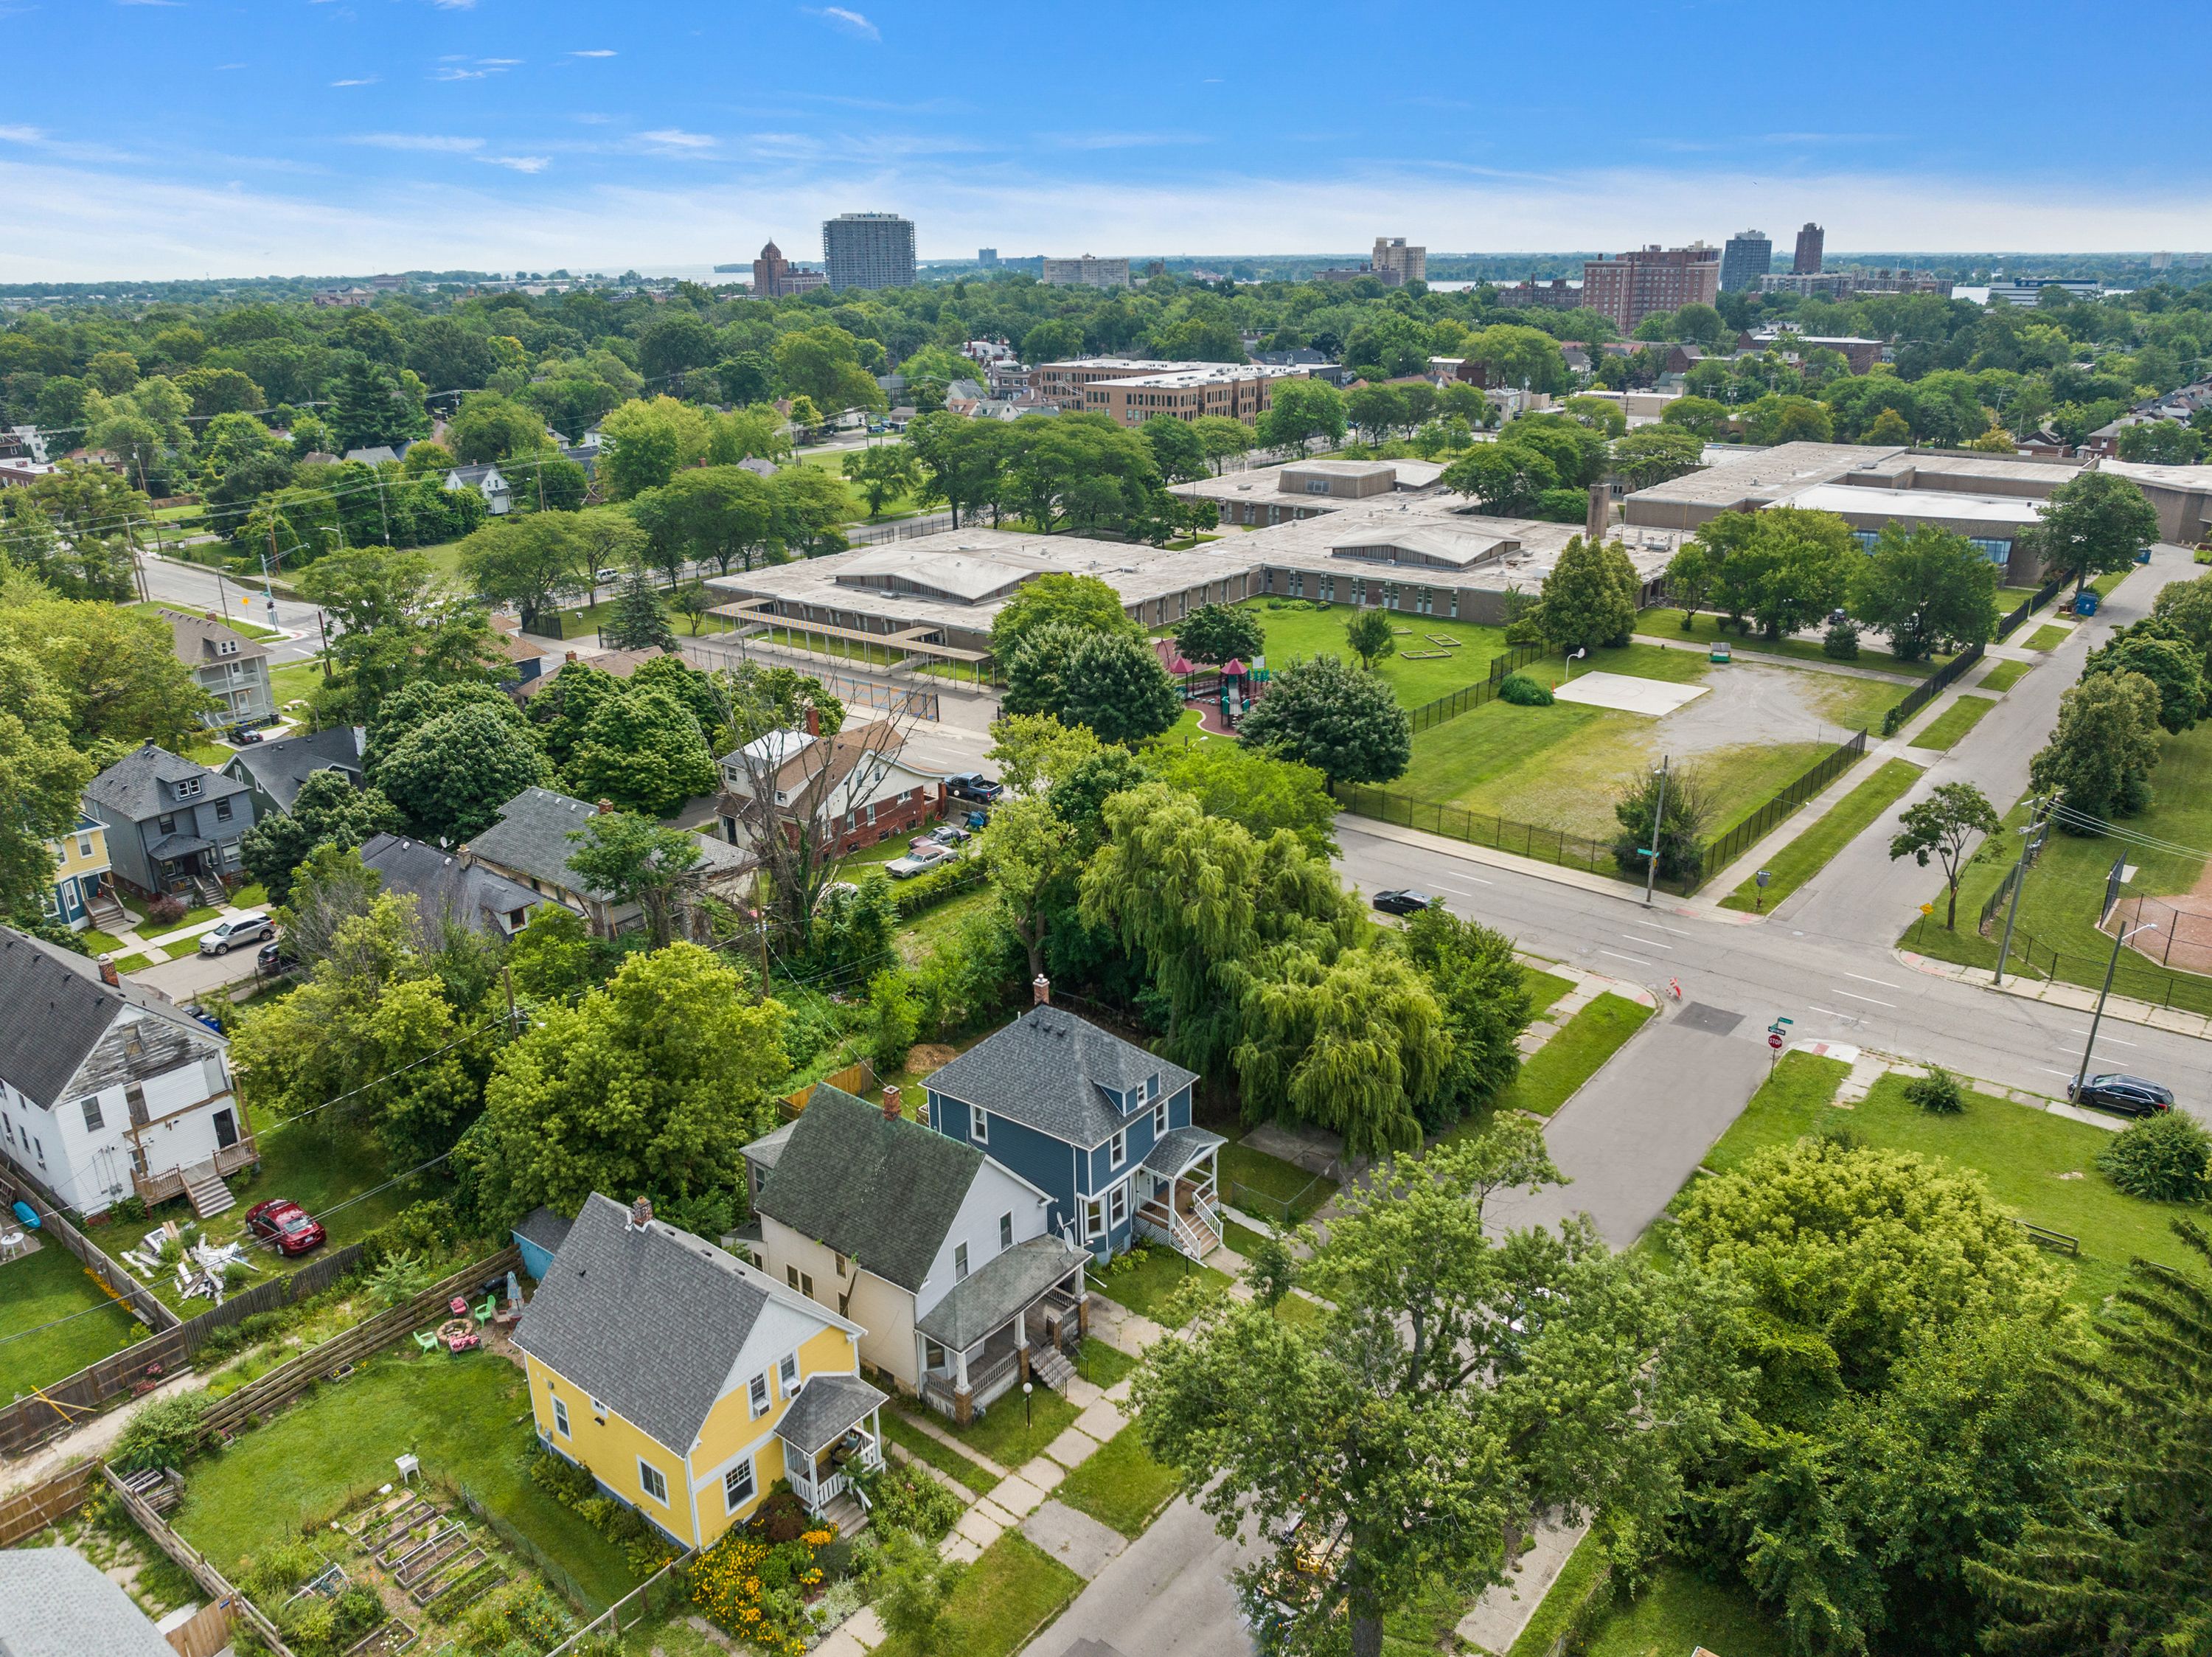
(1099, 1124)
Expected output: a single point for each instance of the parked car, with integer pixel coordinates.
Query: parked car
(2130, 1095)
(914, 863)
(244, 736)
(285, 1223)
(274, 957)
(606, 577)
(945, 834)
(974, 785)
(1403, 902)
(226, 935)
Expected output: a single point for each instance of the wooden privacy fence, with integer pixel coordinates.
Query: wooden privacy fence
(30, 1510)
(208, 1633)
(212, 1581)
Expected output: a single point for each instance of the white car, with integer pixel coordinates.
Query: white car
(226, 935)
(914, 863)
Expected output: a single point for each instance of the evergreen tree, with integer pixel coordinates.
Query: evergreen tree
(637, 622)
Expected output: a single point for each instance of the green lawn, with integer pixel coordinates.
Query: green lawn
(1561, 1600)
(1003, 1599)
(1241, 1238)
(1805, 856)
(2041, 1167)
(926, 932)
(1954, 722)
(2049, 636)
(1267, 1187)
(1661, 622)
(295, 681)
(129, 963)
(44, 1289)
(2059, 906)
(1545, 988)
(1144, 1283)
(1120, 1484)
(902, 1431)
(1550, 1077)
(1293, 633)
(1680, 1611)
(2006, 674)
(467, 1418)
(1102, 1365)
(1002, 1433)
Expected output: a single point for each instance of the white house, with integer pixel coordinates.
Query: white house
(854, 787)
(107, 1090)
(488, 481)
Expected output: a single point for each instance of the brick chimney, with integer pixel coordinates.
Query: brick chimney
(572, 656)
(605, 806)
(892, 1110)
(813, 721)
(641, 1213)
(1040, 990)
(107, 972)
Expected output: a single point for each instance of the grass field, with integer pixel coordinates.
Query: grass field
(1570, 1057)
(295, 681)
(1545, 988)
(1146, 1283)
(1681, 1612)
(2041, 1167)
(972, 1473)
(1808, 854)
(2006, 674)
(1954, 722)
(2059, 907)
(1119, 1485)
(1661, 622)
(2049, 636)
(1560, 767)
(1002, 1599)
(1268, 1187)
(54, 1319)
(1002, 1434)
(467, 1418)
(1304, 632)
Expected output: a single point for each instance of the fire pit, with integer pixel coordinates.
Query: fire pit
(459, 1334)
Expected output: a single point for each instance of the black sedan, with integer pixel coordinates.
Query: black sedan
(2130, 1095)
(1405, 902)
(974, 785)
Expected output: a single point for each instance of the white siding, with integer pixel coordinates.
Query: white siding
(995, 1192)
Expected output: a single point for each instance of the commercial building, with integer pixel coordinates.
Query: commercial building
(1651, 281)
(1398, 263)
(1557, 294)
(1086, 272)
(1235, 390)
(868, 250)
(988, 257)
(1744, 258)
(1811, 240)
(1063, 384)
(776, 277)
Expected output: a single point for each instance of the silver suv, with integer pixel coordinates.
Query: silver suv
(226, 935)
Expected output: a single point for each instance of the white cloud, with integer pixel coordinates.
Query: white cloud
(519, 163)
(1139, 140)
(852, 22)
(430, 141)
(454, 5)
(594, 52)
(358, 80)
(22, 135)
(150, 2)
(674, 141)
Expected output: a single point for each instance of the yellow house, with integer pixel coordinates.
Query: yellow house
(686, 1381)
(80, 864)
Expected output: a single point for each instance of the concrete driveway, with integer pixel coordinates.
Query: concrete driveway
(190, 976)
(1169, 1591)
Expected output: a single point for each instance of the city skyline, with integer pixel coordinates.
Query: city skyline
(447, 133)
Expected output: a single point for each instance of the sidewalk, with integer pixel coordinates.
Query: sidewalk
(2076, 996)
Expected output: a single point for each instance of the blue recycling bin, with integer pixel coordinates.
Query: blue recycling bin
(2086, 601)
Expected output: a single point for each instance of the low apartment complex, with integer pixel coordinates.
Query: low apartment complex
(1086, 272)
(1130, 390)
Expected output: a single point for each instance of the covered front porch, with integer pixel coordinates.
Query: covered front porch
(1178, 1186)
(830, 1431)
(1015, 1320)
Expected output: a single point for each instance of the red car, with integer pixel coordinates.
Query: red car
(285, 1223)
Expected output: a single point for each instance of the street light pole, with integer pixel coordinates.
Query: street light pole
(2018, 879)
(2120, 937)
(1658, 817)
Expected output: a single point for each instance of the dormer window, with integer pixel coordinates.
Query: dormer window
(228, 647)
(188, 788)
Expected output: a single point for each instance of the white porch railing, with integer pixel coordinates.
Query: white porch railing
(818, 1493)
(1197, 1233)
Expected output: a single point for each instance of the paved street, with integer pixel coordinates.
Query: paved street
(170, 580)
(1169, 1591)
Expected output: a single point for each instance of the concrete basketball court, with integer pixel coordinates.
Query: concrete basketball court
(1656, 697)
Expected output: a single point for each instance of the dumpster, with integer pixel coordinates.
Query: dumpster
(2086, 601)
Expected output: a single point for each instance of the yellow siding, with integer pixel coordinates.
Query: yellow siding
(612, 1451)
(66, 860)
(730, 1427)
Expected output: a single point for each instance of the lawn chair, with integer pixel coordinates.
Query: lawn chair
(459, 1306)
(426, 1339)
(484, 1312)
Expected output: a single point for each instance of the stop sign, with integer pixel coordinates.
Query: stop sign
(1774, 1039)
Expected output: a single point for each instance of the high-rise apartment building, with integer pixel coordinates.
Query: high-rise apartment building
(1649, 281)
(1086, 272)
(988, 257)
(1811, 240)
(1401, 262)
(1749, 256)
(775, 276)
(868, 250)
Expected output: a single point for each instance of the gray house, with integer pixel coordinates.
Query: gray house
(488, 481)
(275, 771)
(229, 667)
(449, 886)
(172, 826)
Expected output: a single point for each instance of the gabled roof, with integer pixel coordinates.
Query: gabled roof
(532, 835)
(443, 884)
(199, 640)
(1003, 1285)
(58, 1009)
(56, 1603)
(1046, 1070)
(474, 474)
(649, 1322)
(282, 767)
(134, 786)
(827, 1408)
(883, 1192)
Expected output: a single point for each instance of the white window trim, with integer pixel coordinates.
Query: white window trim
(758, 1399)
(1117, 1150)
(1007, 1229)
(731, 1502)
(979, 1125)
(561, 1417)
(1159, 1118)
(959, 1262)
(787, 1375)
(647, 1477)
(1094, 1218)
(1117, 1204)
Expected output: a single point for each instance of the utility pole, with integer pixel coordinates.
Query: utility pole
(2120, 936)
(506, 978)
(1658, 818)
(2027, 850)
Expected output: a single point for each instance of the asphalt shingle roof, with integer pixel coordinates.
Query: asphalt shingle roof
(55, 1602)
(1045, 1070)
(648, 1322)
(282, 767)
(543, 1228)
(827, 1408)
(883, 1192)
(1002, 1286)
(133, 785)
(59, 1010)
(1177, 1148)
(532, 835)
(442, 884)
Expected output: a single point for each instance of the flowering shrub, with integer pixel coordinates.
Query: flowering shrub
(758, 1589)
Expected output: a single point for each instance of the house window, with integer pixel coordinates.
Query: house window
(843, 1265)
(1117, 1150)
(84, 845)
(167, 824)
(787, 1374)
(979, 1125)
(650, 1480)
(223, 811)
(738, 1485)
(803, 1282)
(1094, 1218)
(561, 1417)
(188, 788)
(1006, 1231)
(756, 1393)
(92, 1119)
(960, 1263)
(1117, 1204)
(1159, 1118)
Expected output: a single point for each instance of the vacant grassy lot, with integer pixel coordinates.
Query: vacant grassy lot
(1660, 622)
(1002, 1433)
(1145, 1282)
(1003, 1599)
(467, 1418)
(1304, 630)
(2041, 1167)
(902, 1431)
(1954, 722)
(2006, 674)
(1681, 1611)
(54, 1319)
(1837, 827)
(1268, 1187)
(1119, 1485)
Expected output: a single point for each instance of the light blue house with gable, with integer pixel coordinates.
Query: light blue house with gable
(1099, 1124)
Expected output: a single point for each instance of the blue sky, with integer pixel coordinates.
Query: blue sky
(175, 138)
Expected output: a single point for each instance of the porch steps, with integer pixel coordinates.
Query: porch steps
(209, 1195)
(1049, 1365)
(104, 912)
(847, 1515)
(210, 891)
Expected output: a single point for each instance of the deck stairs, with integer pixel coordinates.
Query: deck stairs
(209, 1195)
(1048, 1366)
